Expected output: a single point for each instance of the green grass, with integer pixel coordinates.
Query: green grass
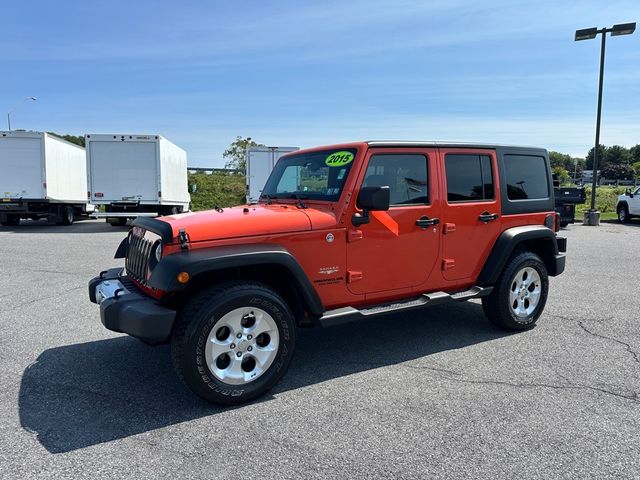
(606, 201)
(216, 190)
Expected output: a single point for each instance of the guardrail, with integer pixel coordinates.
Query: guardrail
(214, 170)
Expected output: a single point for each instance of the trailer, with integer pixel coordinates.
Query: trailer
(136, 175)
(260, 161)
(41, 176)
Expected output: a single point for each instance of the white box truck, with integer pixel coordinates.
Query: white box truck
(260, 162)
(41, 176)
(136, 175)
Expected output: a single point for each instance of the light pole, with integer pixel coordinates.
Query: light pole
(592, 217)
(33, 99)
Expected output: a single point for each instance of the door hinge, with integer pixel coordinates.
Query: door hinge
(448, 264)
(354, 236)
(449, 228)
(353, 276)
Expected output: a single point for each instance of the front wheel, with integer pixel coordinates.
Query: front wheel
(520, 293)
(232, 343)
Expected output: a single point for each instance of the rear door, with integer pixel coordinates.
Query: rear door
(124, 171)
(470, 216)
(21, 168)
(399, 248)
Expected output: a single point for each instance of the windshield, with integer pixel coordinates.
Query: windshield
(313, 176)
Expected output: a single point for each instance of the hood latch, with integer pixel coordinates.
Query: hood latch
(183, 238)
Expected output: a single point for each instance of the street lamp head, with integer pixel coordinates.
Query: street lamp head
(623, 29)
(586, 34)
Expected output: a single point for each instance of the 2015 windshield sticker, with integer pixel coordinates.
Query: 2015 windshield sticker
(339, 159)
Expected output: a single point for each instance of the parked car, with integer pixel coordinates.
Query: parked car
(342, 232)
(628, 205)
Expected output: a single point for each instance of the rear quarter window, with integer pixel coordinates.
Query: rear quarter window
(526, 177)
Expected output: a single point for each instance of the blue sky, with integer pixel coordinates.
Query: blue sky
(299, 73)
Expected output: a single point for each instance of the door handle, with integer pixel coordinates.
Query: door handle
(487, 217)
(424, 222)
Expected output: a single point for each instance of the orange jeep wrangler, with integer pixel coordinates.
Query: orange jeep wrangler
(340, 232)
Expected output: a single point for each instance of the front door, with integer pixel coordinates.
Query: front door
(399, 247)
(471, 213)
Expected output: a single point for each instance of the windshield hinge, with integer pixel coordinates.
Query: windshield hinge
(183, 238)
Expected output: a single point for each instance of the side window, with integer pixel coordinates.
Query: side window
(469, 178)
(406, 176)
(526, 177)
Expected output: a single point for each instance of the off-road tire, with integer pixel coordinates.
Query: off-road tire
(194, 324)
(497, 306)
(623, 214)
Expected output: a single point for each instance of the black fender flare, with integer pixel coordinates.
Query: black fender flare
(621, 204)
(203, 260)
(509, 240)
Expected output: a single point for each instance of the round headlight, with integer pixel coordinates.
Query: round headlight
(158, 251)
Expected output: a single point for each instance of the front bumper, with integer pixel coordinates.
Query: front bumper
(124, 309)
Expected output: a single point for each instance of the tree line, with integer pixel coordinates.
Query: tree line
(614, 162)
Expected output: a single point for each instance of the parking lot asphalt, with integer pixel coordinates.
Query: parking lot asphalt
(438, 393)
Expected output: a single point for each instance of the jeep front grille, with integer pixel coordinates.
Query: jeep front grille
(137, 261)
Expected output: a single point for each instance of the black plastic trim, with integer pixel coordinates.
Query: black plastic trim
(123, 248)
(509, 240)
(198, 261)
(133, 313)
(512, 207)
(157, 226)
(562, 244)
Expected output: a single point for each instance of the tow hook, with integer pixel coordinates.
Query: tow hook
(183, 238)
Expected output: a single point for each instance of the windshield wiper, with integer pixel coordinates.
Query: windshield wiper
(269, 197)
(299, 198)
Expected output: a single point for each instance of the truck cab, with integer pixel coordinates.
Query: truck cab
(340, 233)
(628, 205)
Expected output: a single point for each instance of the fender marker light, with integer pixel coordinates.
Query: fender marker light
(183, 277)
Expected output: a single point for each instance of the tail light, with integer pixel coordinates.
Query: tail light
(552, 221)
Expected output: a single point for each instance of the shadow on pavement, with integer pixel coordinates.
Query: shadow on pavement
(79, 226)
(85, 394)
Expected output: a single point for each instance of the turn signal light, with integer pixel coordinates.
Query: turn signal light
(183, 277)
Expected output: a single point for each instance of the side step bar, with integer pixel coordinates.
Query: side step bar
(347, 314)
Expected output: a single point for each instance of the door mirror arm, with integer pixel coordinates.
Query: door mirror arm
(359, 219)
(370, 199)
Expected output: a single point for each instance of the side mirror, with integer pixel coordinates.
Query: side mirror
(370, 199)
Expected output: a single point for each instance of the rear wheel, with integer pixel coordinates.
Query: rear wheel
(520, 294)
(232, 343)
(117, 222)
(623, 214)
(68, 215)
(11, 221)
